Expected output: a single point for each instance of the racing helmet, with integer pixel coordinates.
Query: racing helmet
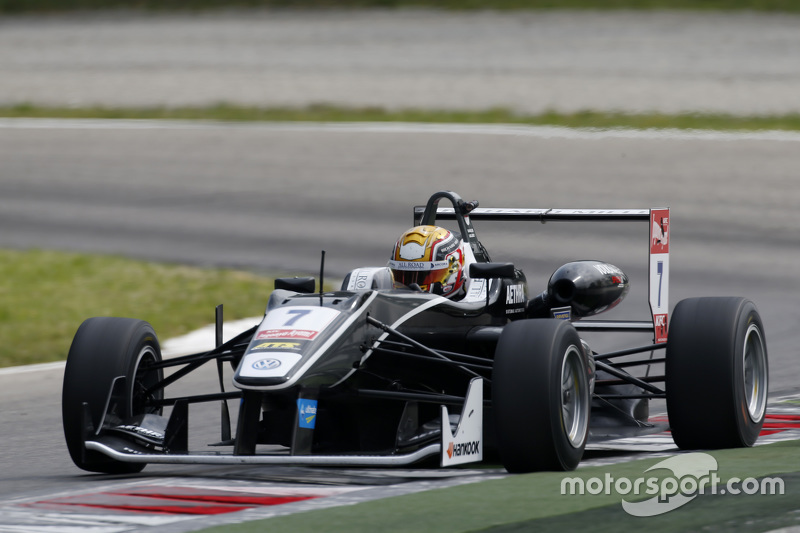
(432, 258)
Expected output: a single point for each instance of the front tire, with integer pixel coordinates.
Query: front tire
(716, 373)
(103, 349)
(540, 396)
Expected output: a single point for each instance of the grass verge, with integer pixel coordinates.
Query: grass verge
(329, 113)
(27, 6)
(534, 502)
(45, 295)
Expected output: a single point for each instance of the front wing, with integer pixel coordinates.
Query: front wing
(169, 446)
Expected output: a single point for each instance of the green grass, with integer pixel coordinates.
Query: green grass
(329, 113)
(44, 297)
(26, 6)
(534, 502)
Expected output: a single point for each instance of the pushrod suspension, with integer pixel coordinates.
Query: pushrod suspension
(419, 346)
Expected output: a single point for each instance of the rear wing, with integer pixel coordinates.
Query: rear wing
(658, 226)
(537, 215)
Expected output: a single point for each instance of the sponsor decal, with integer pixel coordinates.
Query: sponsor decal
(419, 265)
(477, 290)
(307, 413)
(515, 294)
(272, 364)
(562, 313)
(144, 432)
(610, 270)
(596, 211)
(540, 212)
(125, 449)
(361, 282)
(464, 448)
(266, 364)
(660, 323)
(305, 334)
(280, 345)
(295, 322)
(446, 249)
(659, 235)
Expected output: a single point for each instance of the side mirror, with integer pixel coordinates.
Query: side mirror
(304, 285)
(491, 270)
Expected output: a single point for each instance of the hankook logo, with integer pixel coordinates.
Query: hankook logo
(266, 364)
(463, 448)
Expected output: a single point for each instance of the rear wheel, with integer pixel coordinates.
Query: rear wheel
(540, 396)
(716, 373)
(103, 349)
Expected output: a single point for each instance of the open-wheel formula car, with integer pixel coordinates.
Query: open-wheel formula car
(386, 372)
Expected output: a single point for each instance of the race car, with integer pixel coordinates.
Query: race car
(392, 370)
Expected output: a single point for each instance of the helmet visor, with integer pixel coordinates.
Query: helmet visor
(422, 273)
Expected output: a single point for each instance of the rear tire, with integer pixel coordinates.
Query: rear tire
(716, 373)
(540, 396)
(105, 348)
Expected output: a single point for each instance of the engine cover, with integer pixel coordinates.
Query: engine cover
(588, 287)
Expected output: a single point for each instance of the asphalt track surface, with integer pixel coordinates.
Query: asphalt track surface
(740, 63)
(270, 197)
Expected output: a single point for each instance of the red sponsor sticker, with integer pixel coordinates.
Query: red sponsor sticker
(659, 231)
(307, 334)
(660, 322)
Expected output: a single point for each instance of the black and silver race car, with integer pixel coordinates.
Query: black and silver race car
(376, 374)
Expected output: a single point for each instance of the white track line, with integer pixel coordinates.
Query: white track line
(542, 132)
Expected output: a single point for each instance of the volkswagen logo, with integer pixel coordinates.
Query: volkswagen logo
(266, 364)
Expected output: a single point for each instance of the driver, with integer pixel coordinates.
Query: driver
(431, 259)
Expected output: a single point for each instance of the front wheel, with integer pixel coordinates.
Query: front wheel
(103, 349)
(540, 396)
(716, 373)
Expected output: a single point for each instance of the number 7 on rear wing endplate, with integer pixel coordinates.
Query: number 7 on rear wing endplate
(657, 218)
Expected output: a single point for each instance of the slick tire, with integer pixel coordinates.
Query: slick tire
(540, 396)
(716, 373)
(103, 349)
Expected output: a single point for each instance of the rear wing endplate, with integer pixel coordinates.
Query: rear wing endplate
(658, 224)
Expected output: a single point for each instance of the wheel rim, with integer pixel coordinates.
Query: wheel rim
(755, 373)
(143, 379)
(574, 400)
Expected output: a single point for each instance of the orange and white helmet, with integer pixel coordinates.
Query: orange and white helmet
(431, 257)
